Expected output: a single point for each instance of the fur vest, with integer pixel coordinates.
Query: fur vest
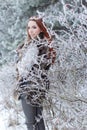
(32, 67)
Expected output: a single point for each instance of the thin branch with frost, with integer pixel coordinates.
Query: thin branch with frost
(66, 99)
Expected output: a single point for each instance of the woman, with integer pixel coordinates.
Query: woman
(35, 57)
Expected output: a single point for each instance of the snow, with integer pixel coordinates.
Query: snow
(7, 122)
(69, 88)
(2, 125)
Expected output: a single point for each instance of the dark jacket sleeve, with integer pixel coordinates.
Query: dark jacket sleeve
(52, 54)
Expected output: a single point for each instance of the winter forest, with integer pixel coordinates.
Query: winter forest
(65, 107)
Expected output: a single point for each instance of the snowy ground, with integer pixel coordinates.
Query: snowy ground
(8, 119)
(4, 123)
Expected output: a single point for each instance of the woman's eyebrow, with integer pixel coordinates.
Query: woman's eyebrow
(32, 26)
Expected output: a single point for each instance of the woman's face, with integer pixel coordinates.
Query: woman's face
(33, 29)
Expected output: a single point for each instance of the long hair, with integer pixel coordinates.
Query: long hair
(46, 34)
(42, 27)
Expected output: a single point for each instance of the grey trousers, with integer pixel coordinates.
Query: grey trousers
(33, 115)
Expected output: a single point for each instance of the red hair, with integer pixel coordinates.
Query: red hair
(42, 26)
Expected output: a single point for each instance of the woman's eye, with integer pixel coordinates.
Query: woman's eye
(34, 27)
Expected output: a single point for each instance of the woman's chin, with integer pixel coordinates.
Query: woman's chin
(33, 37)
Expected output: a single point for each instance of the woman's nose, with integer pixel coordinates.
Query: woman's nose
(31, 30)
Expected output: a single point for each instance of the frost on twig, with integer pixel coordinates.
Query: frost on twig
(65, 106)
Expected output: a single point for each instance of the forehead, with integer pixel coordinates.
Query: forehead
(32, 23)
